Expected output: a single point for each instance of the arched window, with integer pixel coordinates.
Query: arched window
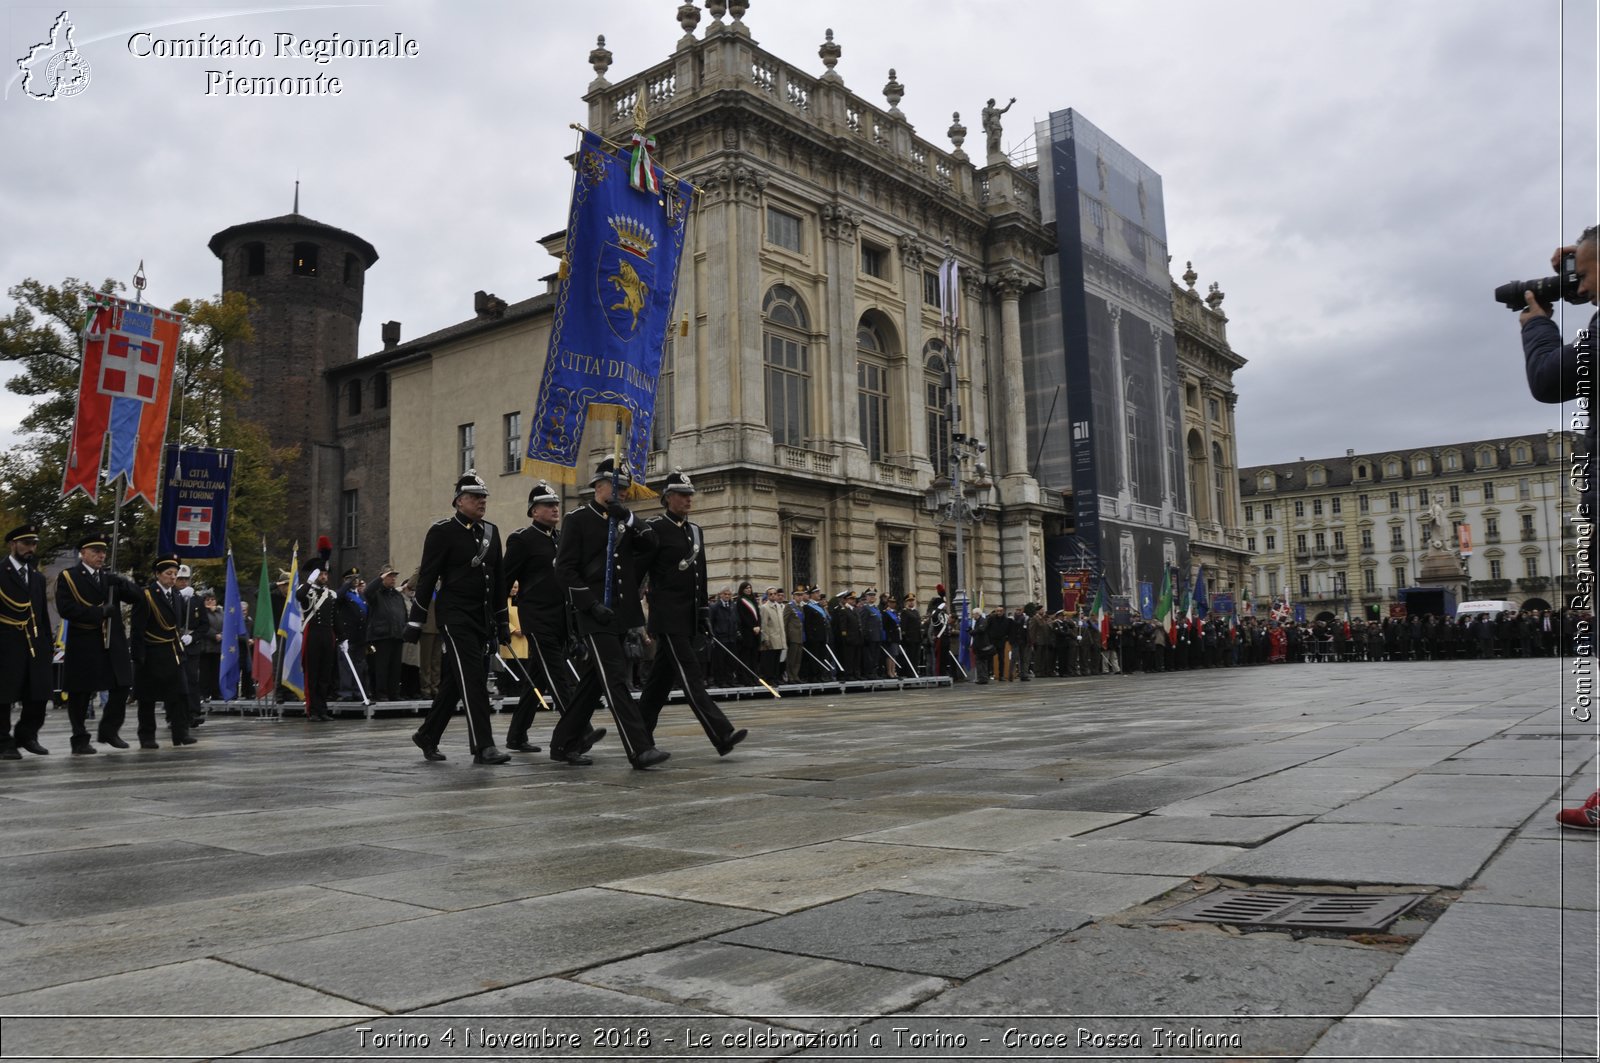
(1196, 451)
(788, 366)
(305, 260)
(380, 391)
(353, 397)
(255, 258)
(872, 391)
(352, 269)
(661, 424)
(1219, 482)
(936, 404)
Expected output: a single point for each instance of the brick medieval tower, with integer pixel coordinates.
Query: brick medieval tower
(305, 281)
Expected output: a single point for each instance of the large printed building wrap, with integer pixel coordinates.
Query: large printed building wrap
(613, 312)
(124, 393)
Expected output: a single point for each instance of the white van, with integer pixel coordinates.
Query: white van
(1490, 606)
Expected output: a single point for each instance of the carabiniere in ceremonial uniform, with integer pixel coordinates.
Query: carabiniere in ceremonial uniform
(461, 557)
(25, 658)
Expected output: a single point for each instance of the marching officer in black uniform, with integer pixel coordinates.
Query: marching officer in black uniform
(582, 565)
(160, 644)
(90, 600)
(675, 567)
(541, 612)
(324, 632)
(461, 556)
(25, 651)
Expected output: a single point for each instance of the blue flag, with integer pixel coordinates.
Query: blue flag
(613, 312)
(232, 631)
(1202, 604)
(290, 630)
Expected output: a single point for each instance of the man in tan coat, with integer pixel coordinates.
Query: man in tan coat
(772, 636)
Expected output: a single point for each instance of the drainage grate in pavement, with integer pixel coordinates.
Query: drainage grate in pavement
(1310, 911)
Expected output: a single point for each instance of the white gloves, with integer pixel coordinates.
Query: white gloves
(186, 639)
(187, 592)
(344, 645)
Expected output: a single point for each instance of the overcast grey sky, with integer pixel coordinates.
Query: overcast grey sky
(1356, 175)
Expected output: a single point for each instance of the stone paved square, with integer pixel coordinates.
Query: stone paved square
(938, 851)
(906, 932)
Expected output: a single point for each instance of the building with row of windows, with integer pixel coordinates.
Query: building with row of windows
(811, 393)
(1347, 533)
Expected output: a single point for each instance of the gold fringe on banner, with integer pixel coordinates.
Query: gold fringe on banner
(600, 413)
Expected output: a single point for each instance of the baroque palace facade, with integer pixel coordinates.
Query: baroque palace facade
(808, 395)
(1347, 533)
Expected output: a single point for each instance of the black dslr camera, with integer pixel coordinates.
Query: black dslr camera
(1546, 289)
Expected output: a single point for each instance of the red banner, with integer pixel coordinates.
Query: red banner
(124, 394)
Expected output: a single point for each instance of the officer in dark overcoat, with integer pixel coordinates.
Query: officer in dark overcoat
(323, 625)
(818, 628)
(541, 612)
(600, 537)
(674, 565)
(160, 644)
(25, 651)
(192, 620)
(847, 637)
(461, 556)
(90, 600)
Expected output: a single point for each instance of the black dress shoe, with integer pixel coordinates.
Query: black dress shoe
(32, 746)
(490, 755)
(113, 741)
(734, 739)
(9, 752)
(84, 748)
(570, 758)
(586, 743)
(521, 747)
(196, 721)
(186, 740)
(429, 752)
(649, 758)
(151, 744)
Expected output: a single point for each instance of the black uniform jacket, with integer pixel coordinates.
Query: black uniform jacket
(581, 569)
(464, 560)
(531, 565)
(97, 645)
(320, 610)
(157, 639)
(677, 595)
(25, 650)
(818, 624)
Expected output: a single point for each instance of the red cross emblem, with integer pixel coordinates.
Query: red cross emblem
(194, 526)
(130, 368)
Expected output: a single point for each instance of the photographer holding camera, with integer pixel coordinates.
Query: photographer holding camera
(1553, 367)
(1560, 372)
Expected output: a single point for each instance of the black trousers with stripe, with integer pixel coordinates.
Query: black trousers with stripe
(463, 677)
(545, 668)
(605, 675)
(676, 661)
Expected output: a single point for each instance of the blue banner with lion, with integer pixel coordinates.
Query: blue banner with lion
(613, 312)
